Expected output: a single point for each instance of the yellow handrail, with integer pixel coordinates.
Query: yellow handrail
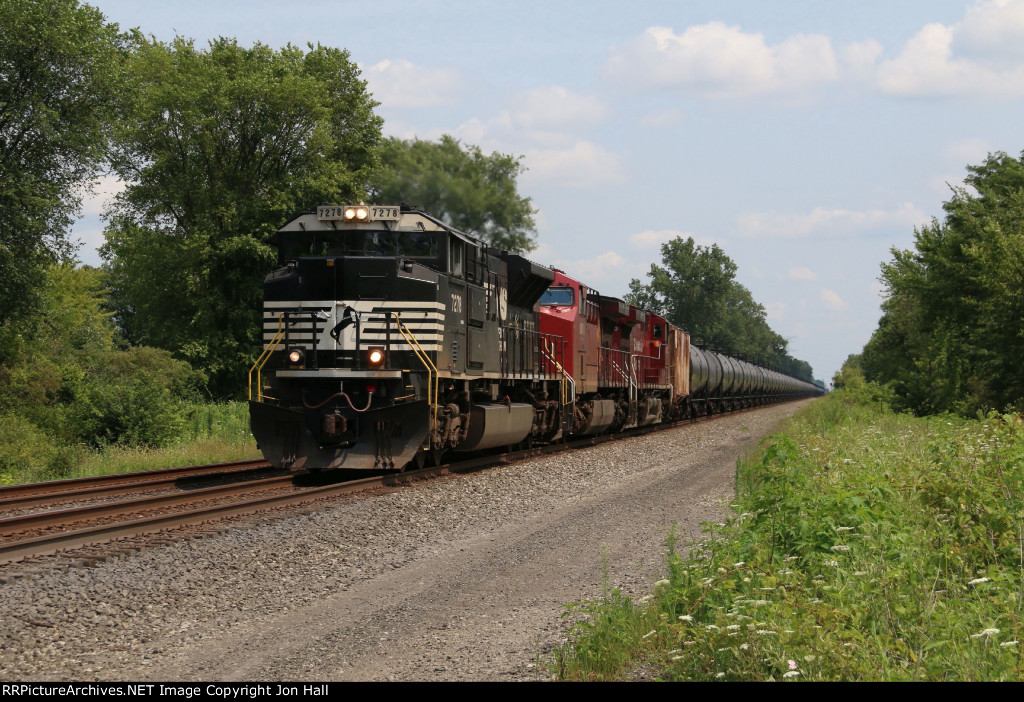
(432, 373)
(565, 376)
(262, 360)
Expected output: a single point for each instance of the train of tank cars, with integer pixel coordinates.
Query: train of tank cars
(392, 339)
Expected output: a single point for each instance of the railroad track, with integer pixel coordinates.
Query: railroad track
(20, 497)
(127, 525)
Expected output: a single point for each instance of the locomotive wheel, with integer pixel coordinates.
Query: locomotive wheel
(434, 457)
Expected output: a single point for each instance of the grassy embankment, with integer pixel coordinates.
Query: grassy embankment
(864, 546)
(210, 433)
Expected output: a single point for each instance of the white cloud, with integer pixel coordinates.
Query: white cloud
(653, 238)
(716, 60)
(967, 151)
(403, 84)
(983, 54)
(554, 106)
(802, 274)
(582, 165)
(992, 33)
(832, 300)
(826, 222)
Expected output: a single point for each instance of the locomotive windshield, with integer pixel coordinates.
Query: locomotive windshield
(362, 243)
(557, 295)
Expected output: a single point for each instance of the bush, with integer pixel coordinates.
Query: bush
(25, 449)
(135, 396)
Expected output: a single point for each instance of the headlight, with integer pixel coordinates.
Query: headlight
(376, 356)
(357, 213)
(295, 356)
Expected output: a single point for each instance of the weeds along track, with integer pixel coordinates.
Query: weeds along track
(119, 521)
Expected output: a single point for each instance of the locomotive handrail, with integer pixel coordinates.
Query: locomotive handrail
(565, 376)
(264, 357)
(427, 363)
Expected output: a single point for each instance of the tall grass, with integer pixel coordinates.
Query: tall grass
(864, 546)
(212, 433)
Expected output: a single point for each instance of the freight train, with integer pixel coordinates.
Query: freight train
(392, 339)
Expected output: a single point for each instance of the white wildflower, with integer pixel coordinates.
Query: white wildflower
(733, 627)
(1009, 643)
(739, 565)
(767, 632)
(832, 563)
(978, 581)
(840, 547)
(711, 627)
(791, 674)
(845, 528)
(720, 675)
(985, 633)
(860, 572)
(685, 618)
(744, 647)
(650, 633)
(678, 658)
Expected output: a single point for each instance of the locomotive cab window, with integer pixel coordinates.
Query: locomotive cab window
(657, 331)
(455, 252)
(558, 295)
(317, 244)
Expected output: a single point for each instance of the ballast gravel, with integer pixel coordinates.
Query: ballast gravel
(459, 578)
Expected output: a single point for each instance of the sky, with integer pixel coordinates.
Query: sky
(805, 137)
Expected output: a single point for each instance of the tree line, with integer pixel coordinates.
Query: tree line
(695, 288)
(952, 325)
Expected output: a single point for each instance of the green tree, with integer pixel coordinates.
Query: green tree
(696, 288)
(953, 318)
(219, 147)
(461, 185)
(60, 70)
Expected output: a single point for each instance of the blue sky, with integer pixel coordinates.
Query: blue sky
(804, 137)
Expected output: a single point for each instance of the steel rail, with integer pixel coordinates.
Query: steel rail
(56, 487)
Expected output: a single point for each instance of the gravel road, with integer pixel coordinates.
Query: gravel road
(458, 578)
